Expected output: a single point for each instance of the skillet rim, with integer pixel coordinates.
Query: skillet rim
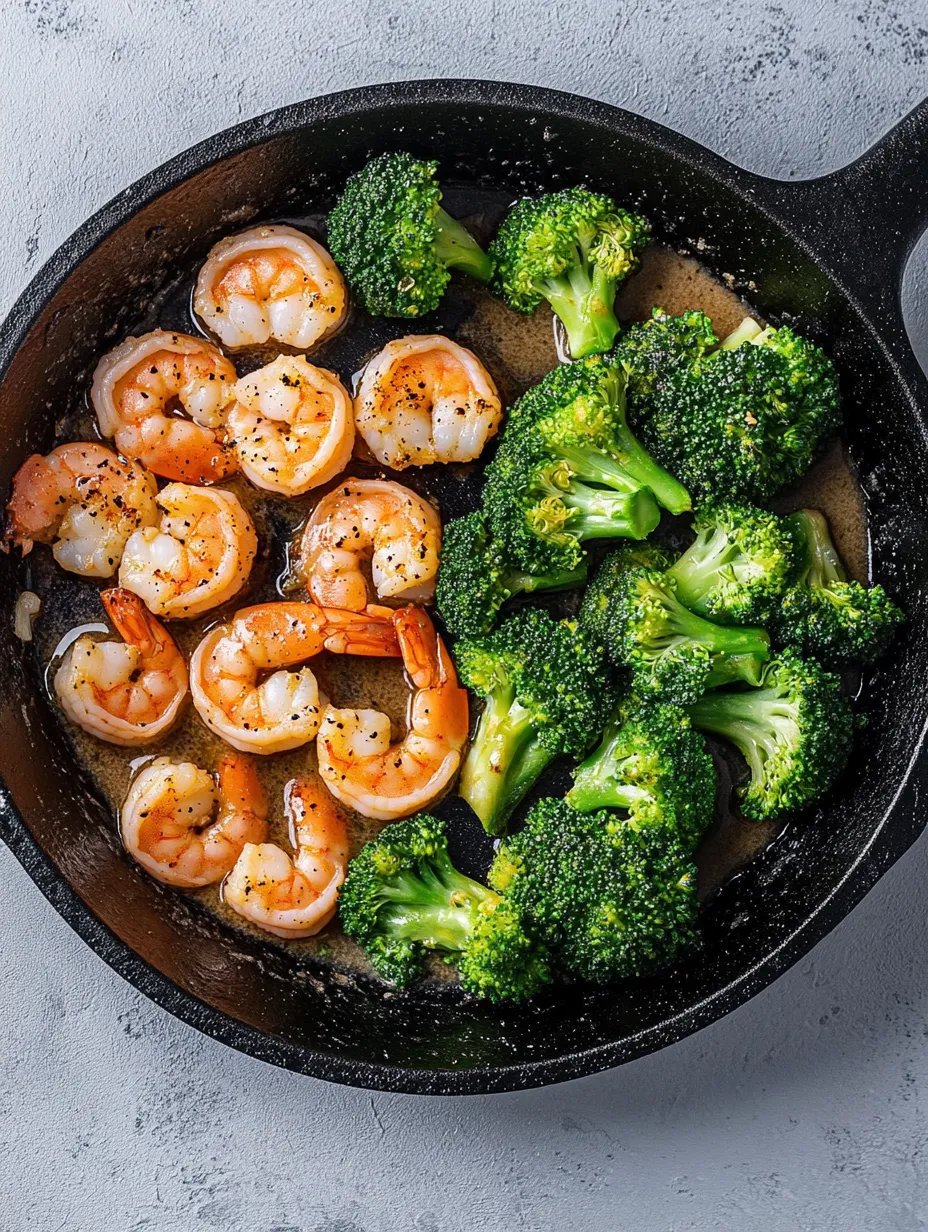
(858, 879)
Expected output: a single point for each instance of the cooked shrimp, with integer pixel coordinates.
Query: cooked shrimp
(198, 557)
(138, 387)
(375, 520)
(425, 399)
(357, 761)
(127, 692)
(182, 830)
(291, 426)
(270, 284)
(293, 896)
(282, 711)
(85, 501)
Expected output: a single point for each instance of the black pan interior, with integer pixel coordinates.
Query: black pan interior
(308, 1017)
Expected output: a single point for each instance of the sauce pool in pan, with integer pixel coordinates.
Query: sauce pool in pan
(517, 351)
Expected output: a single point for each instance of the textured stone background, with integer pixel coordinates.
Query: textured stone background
(806, 1109)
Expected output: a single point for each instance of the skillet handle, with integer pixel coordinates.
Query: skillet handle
(864, 219)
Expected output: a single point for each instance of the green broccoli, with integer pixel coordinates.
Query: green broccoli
(794, 731)
(650, 351)
(543, 509)
(578, 411)
(674, 655)
(403, 897)
(571, 248)
(838, 621)
(475, 580)
(596, 610)
(654, 765)
(394, 242)
(739, 566)
(547, 690)
(609, 900)
(744, 420)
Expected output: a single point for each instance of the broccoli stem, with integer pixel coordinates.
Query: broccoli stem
(726, 640)
(696, 571)
(504, 761)
(597, 780)
(604, 514)
(822, 566)
(749, 720)
(437, 909)
(631, 454)
(747, 331)
(729, 669)
(456, 247)
(517, 582)
(584, 306)
(596, 467)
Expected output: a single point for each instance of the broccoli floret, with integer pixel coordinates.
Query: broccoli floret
(654, 765)
(579, 409)
(547, 690)
(794, 732)
(650, 351)
(595, 612)
(475, 580)
(611, 901)
(403, 897)
(543, 508)
(673, 654)
(739, 566)
(571, 248)
(394, 242)
(745, 419)
(838, 621)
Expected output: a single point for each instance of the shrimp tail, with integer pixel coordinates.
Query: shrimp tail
(424, 656)
(134, 622)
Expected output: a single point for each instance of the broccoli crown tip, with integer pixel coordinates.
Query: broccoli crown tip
(610, 901)
(403, 898)
(741, 420)
(571, 248)
(394, 242)
(655, 766)
(794, 731)
(475, 579)
(547, 691)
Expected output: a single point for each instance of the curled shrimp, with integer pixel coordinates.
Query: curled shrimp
(291, 426)
(281, 710)
(138, 387)
(270, 284)
(426, 399)
(200, 555)
(85, 501)
(129, 692)
(293, 896)
(372, 520)
(358, 762)
(184, 831)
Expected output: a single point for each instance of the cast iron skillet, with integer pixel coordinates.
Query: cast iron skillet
(829, 252)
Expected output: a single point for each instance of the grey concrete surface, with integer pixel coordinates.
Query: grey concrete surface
(806, 1109)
